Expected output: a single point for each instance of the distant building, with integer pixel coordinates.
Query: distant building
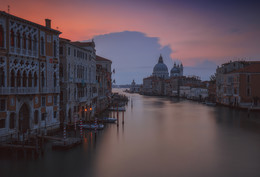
(29, 76)
(135, 88)
(237, 84)
(153, 86)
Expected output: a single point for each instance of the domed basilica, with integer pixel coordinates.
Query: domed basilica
(161, 70)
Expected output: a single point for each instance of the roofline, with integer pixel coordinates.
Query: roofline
(3, 13)
(73, 44)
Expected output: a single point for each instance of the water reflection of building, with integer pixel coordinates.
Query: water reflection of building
(237, 84)
(29, 75)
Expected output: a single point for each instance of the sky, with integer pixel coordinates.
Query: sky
(133, 34)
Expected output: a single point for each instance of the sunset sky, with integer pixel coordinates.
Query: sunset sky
(202, 35)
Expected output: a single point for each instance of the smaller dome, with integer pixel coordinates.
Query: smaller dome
(175, 70)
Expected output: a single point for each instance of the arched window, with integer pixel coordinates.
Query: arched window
(35, 79)
(42, 79)
(29, 42)
(12, 38)
(18, 40)
(54, 80)
(18, 79)
(30, 79)
(61, 70)
(36, 115)
(1, 36)
(55, 49)
(24, 41)
(12, 120)
(42, 46)
(24, 79)
(12, 78)
(2, 77)
(34, 43)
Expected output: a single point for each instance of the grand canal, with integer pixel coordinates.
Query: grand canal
(161, 137)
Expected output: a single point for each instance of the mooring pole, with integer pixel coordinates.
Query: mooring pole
(117, 116)
(123, 118)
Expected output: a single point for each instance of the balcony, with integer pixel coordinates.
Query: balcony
(22, 91)
(50, 90)
(83, 99)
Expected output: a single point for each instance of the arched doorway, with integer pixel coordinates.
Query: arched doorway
(24, 117)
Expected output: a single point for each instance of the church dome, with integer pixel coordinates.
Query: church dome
(160, 69)
(177, 70)
(160, 66)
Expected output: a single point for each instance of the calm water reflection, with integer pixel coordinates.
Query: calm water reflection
(160, 137)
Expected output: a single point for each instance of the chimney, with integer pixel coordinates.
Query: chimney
(48, 23)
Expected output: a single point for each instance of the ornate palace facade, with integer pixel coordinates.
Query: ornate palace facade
(29, 76)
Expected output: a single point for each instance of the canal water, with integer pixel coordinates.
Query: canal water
(161, 137)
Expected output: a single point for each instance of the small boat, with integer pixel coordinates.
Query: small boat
(210, 104)
(115, 109)
(109, 119)
(93, 126)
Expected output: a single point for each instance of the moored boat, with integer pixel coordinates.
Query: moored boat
(109, 119)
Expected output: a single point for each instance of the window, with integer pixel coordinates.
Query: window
(2, 105)
(55, 49)
(29, 42)
(43, 100)
(35, 44)
(12, 121)
(248, 92)
(12, 79)
(35, 79)
(54, 80)
(36, 112)
(43, 115)
(248, 78)
(68, 50)
(61, 50)
(55, 100)
(2, 123)
(24, 41)
(42, 46)
(30, 79)
(61, 70)
(1, 36)
(54, 114)
(2, 77)
(43, 79)
(24, 79)
(18, 79)
(12, 38)
(18, 40)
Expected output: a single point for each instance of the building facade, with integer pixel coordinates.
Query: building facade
(104, 82)
(29, 76)
(238, 87)
(77, 76)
